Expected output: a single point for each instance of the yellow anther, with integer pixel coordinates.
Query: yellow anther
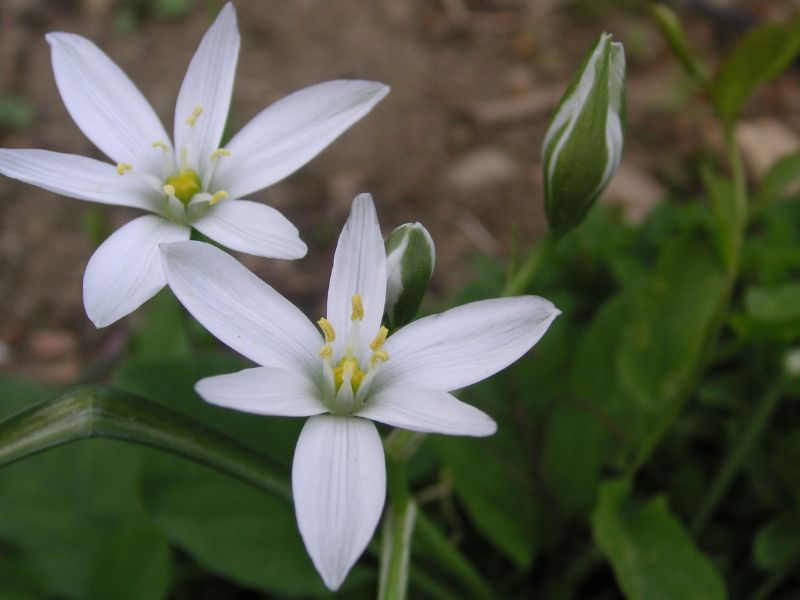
(327, 330)
(169, 190)
(195, 113)
(358, 309)
(161, 145)
(122, 167)
(220, 195)
(348, 369)
(379, 339)
(379, 356)
(326, 351)
(219, 152)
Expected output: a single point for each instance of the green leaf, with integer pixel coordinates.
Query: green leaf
(781, 178)
(134, 563)
(669, 323)
(59, 508)
(651, 553)
(499, 499)
(572, 470)
(161, 334)
(761, 54)
(777, 544)
(596, 383)
(229, 527)
(779, 304)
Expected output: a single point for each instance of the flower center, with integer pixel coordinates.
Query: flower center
(184, 185)
(348, 375)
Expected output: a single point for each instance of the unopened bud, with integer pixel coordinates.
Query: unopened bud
(583, 143)
(410, 257)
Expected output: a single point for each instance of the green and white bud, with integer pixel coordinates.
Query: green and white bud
(410, 257)
(583, 143)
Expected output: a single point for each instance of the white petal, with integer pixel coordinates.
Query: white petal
(288, 134)
(263, 391)
(465, 344)
(251, 227)
(125, 271)
(77, 177)
(339, 486)
(429, 411)
(239, 309)
(359, 267)
(105, 104)
(208, 84)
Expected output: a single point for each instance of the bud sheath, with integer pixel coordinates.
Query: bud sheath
(410, 257)
(583, 143)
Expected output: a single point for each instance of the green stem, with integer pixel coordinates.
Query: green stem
(398, 530)
(94, 411)
(737, 455)
(521, 279)
(450, 560)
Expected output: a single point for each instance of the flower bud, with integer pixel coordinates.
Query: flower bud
(583, 143)
(410, 256)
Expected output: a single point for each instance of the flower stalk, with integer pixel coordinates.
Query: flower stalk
(100, 412)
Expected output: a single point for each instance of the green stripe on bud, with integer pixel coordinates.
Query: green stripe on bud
(583, 143)
(410, 257)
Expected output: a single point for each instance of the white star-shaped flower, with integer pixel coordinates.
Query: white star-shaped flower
(193, 183)
(347, 373)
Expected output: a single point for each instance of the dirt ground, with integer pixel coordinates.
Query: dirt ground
(455, 145)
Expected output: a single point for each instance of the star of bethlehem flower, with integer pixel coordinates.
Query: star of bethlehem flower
(190, 181)
(347, 373)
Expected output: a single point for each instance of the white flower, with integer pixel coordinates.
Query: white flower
(348, 375)
(193, 183)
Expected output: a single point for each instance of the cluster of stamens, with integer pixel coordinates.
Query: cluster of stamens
(349, 379)
(179, 189)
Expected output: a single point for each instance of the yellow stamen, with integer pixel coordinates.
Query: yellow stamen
(358, 309)
(220, 195)
(161, 145)
(379, 339)
(122, 167)
(184, 185)
(327, 330)
(326, 351)
(169, 190)
(219, 152)
(379, 356)
(195, 113)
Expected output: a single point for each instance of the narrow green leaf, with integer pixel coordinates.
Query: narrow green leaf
(651, 553)
(761, 54)
(673, 33)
